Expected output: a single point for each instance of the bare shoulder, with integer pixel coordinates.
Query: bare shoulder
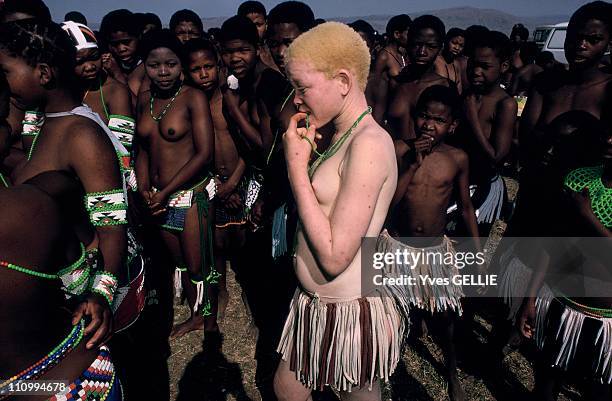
(383, 55)
(458, 155)
(194, 97)
(138, 73)
(374, 141)
(113, 85)
(507, 103)
(90, 134)
(143, 97)
(115, 88)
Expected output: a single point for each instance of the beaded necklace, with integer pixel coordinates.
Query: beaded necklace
(53, 358)
(329, 152)
(333, 148)
(278, 130)
(166, 108)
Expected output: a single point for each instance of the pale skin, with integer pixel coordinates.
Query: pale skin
(347, 199)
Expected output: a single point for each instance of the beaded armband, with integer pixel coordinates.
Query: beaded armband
(32, 121)
(123, 128)
(107, 208)
(105, 284)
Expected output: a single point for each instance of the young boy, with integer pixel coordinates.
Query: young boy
(102, 93)
(431, 173)
(186, 25)
(256, 12)
(584, 87)
(424, 45)
(120, 32)
(202, 66)
(490, 116)
(390, 61)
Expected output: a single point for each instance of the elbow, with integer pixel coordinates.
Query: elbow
(334, 265)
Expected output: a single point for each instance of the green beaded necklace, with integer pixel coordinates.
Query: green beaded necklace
(166, 108)
(333, 148)
(329, 152)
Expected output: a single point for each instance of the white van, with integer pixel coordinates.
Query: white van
(551, 38)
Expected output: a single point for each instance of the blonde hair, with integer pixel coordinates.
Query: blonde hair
(330, 47)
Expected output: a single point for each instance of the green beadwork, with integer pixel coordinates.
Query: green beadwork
(30, 272)
(166, 108)
(601, 197)
(332, 149)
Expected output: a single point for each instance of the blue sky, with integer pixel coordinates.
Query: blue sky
(95, 9)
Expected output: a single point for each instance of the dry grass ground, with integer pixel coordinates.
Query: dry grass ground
(418, 377)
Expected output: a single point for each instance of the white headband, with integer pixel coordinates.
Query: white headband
(81, 35)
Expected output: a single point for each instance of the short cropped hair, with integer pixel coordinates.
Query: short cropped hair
(399, 23)
(195, 45)
(496, 41)
(160, 38)
(292, 12)
(34, 8)
(185, 16)
(362, 26)
(544, 58)
(149, 19)
(521, 31)
(453, 33)
(429, 22)
(330, 47)
(239, 28)
(441, 94)
(75, 16)
(119, 21)
(251, 7)
(40, 42)
(471, 34)
(597, 10)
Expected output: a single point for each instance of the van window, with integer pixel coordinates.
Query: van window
(557, 39)
(540, 35)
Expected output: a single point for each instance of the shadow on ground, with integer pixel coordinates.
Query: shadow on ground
(210, 376)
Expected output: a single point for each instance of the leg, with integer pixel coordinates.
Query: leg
(445, 321)
(173, 243)
(547, 381)
(287, 387)
(596, 391)
(190, 250)
(363, 394)
(222, 248)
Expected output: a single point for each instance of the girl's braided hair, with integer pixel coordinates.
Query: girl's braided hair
(40, 42)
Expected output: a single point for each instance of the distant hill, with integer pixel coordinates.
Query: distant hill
(461, 17)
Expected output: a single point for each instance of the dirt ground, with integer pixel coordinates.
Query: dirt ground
(418, 377)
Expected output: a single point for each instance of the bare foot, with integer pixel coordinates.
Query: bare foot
(455, 391)
(223, 301)
(195, 322)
